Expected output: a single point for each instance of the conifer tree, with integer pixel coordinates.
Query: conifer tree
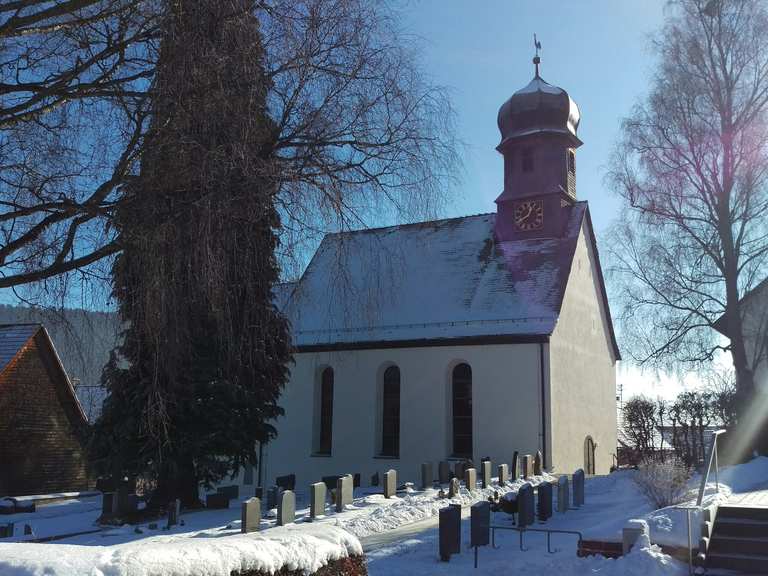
(195, 383)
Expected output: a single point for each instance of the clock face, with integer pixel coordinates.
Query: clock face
(529, 215)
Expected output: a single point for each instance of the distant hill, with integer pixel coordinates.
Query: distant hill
(83, 340)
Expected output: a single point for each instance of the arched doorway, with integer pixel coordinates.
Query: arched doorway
(589, 455)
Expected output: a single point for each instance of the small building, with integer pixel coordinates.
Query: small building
(42, 424)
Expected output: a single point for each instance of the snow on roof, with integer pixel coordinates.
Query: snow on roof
(432, 280)
(12, 339)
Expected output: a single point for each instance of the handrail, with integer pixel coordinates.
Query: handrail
(705, 476)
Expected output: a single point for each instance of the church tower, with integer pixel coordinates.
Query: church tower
(538, 141)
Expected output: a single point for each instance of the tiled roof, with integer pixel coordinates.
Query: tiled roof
(12, 339)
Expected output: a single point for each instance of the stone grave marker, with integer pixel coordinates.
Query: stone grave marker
(578, 488)
(174, 512)
(526, 466)
(513, 471)
(426, 475)
(503, 474)
(470, 479)
(108, 504)
(375, 479)
(525, 506)
(317, 496)
(537, 463)
(287, 482)
(450, 531)
(356, 480)
(286, 508)
(330, 481)
(545, 501)
(458, 470)
(390, 483)
(444, 472)
(344, 490)
(453, 487)
(273, 492)
(563, 496)
(250, 515)
(485, 473)
(480, 524)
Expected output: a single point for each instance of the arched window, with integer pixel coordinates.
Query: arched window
(589, 455)
(326, 412)
(461, 391)
(390, 413)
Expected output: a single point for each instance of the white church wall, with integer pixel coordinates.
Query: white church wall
(583, 371)
(506, 409)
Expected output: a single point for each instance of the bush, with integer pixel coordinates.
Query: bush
(663, 483)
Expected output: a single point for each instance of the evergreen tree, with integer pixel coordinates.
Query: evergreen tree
(195, 383)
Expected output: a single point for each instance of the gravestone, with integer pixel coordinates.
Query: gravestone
(525, 506)
(216, 501)
(317, 495)
(503, 474)
(390, 483)
(485, 473)
(563, 495)
(426, 475)
(526, 466)
(470, 479)
(107, 504)
(537, 463)
(286, 508)
(545, 501)
(273, 492)
(375, 479)
(444, 472)
(480, 524)
(174, 512)
(330, 481)
(287, 482)
(578, 488)
(514, 471)
(232, 492)
(126, 500)
(450, 531)
(453, 487)
(356, 480)
(458, 470)
(344, 491)
(250, 515)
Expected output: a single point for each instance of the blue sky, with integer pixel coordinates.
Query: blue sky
(597, 50)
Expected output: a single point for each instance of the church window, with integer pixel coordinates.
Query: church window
(571, 162)
(390, 414)
(461, 391)
(326, 412)
(527, 159)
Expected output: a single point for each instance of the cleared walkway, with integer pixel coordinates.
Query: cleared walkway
(752, 499)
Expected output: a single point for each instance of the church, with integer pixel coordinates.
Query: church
(462, 338)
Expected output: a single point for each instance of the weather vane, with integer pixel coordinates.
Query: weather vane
(536, 59)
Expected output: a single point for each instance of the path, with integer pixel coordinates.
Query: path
(752, 499)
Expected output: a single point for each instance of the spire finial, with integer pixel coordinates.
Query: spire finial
(536, 59)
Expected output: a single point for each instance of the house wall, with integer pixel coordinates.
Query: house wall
(40, 451)
(506, 409)
(583, 370)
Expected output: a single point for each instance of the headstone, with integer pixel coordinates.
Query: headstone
(480, 524)
(426, 475)
(174, 512)
(250, 515)
(390, 483)
(107, 504)
(287, 482)
(470, 479)
(286, 508)
(578, 488)
(216, 501)
(344, 490)
(458, 470)
(537, 463)
(375, 479)
(273, 492)
(545, 501)
(356, 480)
(126, 500)
(317, 496)
(485, 473)
(330, 481)
(450, 531)
(563, 495)
(453, 487)
(513, 471)
(526, 466)
(503, 474)
(233, 492)
(525, 506)
(444, 472)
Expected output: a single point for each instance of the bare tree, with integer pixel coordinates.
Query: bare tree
(639, 426)
(691, 169)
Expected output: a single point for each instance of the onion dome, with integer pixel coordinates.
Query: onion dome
(538, 108)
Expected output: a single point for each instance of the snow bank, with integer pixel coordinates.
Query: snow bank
(298, 547)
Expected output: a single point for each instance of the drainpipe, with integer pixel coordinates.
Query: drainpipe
(542, 383)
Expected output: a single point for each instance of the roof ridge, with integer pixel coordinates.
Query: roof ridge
(410, 224)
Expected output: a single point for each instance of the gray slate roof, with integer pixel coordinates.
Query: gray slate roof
(444, 279)
(12, 339)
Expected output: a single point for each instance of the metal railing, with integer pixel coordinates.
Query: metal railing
(705, 473)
